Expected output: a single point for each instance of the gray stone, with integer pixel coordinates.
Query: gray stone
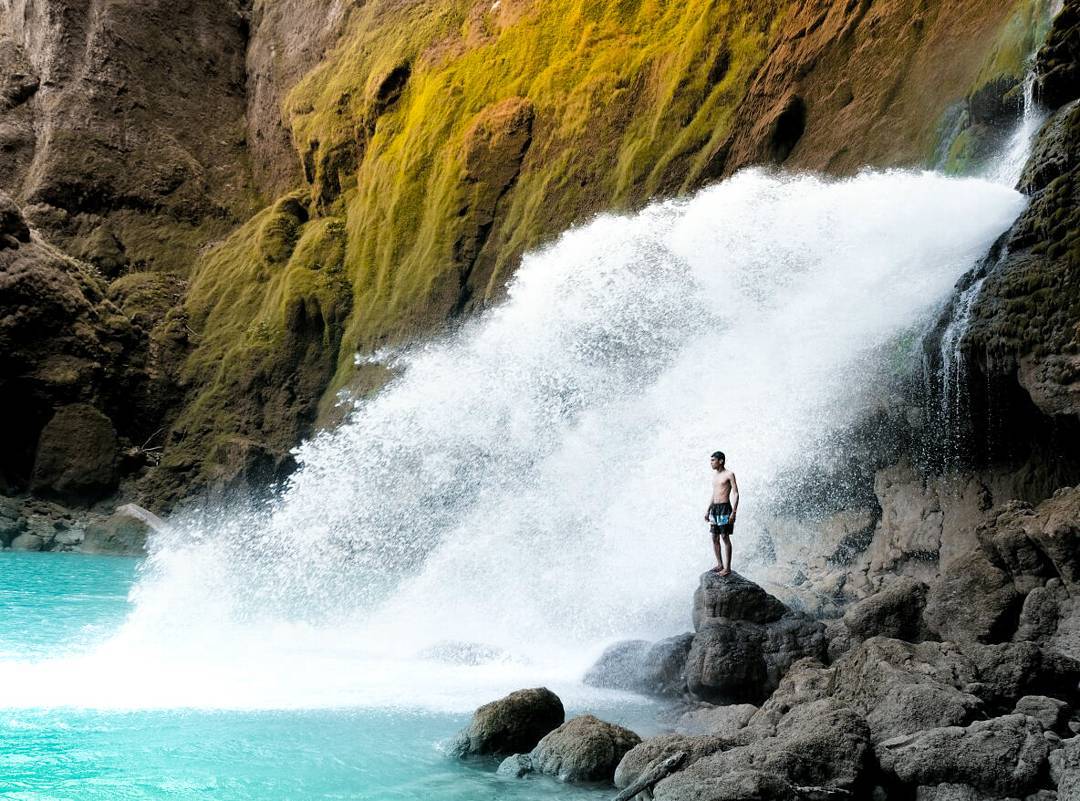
(619, 667)
(654, 750)
(28, 541)
(12, 521)
(1052, 714)
(972, 601)
(584, 749)
(1008, 671)
(727, 665)
(895, 611)
(721, 720)
(1065, 770)
(636, 665)
(116, 534)
(1003, 756)
(511, 725)
(517, 766)
(736, 785)
(816, 744)
(733, 598)
(902, 687)
(1040, 613)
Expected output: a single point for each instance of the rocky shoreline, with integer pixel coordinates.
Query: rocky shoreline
(919, 691)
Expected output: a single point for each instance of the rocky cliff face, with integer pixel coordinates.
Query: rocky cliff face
(404, 155)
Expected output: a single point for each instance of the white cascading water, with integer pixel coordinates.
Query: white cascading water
(532, 486)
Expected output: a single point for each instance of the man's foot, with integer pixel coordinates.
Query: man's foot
(718, 569)
(724, 572)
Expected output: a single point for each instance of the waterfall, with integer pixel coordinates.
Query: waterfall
(951, 380)
(532, 485)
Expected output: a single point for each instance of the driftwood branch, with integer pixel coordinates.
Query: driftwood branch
(651, 775)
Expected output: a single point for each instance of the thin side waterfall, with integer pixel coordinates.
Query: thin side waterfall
(532, 486)
(954, 400)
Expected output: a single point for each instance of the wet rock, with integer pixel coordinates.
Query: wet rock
(517, 766)
(639, 666)
(1002, 756)
(511, 725)
(1052, 713)
(584, 749)
(618, 667)
(733, 598)
(116, 534)
(1054, 153)
(76, 455)
(727, 664)
(719, 720)
(742, 659)
(972, 601)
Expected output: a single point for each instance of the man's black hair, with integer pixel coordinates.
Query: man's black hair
(719, 455)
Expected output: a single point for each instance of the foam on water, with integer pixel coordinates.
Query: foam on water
(532, 486)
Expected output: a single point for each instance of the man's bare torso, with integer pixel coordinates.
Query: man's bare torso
(721, 486)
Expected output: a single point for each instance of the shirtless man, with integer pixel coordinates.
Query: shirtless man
(721, 512)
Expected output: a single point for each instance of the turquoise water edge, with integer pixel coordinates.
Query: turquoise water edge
(54, 604)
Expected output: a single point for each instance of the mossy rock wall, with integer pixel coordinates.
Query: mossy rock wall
(441, 139)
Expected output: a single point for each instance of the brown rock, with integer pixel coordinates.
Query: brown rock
(76, 455)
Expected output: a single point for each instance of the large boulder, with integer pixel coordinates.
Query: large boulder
(1009, 671)
(510, 725)
(1004, 756)
(746, 641)
(76, 455)
(619, 666)
(116, 534)
(584, 749)
(733, 597)
(639, 666)
(895, 611)
(972, 601)
(1052, 713)
(816, 745)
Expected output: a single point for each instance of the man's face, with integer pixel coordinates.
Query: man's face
(716, 463)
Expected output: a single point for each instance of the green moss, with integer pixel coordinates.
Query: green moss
(421, 203)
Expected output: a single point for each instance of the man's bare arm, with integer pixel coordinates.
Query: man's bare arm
(734, 496)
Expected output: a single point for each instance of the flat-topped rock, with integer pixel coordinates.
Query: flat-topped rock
(733, 598)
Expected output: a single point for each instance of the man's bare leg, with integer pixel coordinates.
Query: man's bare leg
(725, 548)
(716, 549)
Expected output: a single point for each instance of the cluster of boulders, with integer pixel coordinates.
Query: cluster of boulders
(529, 731)
(965, 686)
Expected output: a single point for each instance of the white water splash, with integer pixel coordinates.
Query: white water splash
(536, 482)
